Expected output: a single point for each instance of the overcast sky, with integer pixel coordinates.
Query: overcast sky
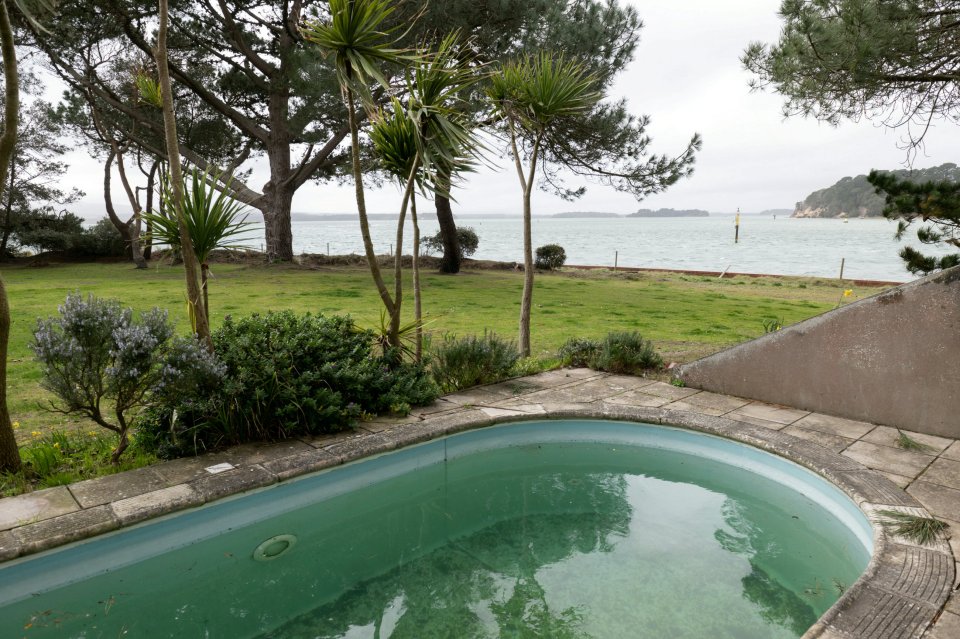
(687, 77)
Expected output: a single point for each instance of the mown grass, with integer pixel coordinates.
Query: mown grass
(686, 316)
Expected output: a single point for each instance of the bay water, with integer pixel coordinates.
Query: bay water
(780, 246)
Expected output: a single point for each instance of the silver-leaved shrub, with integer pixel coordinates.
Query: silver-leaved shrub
(99, 358)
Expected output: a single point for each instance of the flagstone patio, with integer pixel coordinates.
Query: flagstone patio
(901, 595)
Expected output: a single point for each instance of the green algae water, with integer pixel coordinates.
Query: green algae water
(573, 529)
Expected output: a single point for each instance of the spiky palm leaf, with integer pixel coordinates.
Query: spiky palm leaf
(394, 137)
(539, 89)
(210, 214)
(357, 40)
(446, 140)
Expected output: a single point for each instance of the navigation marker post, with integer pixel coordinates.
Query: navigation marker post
(736, 228)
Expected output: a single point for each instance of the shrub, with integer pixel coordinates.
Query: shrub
(97, 353)
(623, 352)
(286, 375)
(459, 363)
(550, 257)
(578, 351)
(101, 240)
(466, 237)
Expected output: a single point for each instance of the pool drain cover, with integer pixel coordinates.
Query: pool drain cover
(274, 547)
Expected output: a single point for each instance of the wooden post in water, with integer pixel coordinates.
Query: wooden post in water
(616, 254)
(328, 249)
(842, 260)
(736, 228)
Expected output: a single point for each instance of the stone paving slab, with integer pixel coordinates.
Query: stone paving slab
(36, 506)
(953, 451)
(944, 472)
(179, 471)
(232, 482)
(65, 528)
(104, 490)
(836, 443)
(638, 398)
(899, 480)
(669, 391)
(886, 436)
(892, 460)
(771, 412)
(307, 461)
(9, 546)
(948, 627)
(756, 421)
(709, 403)
(835, 425)
(153, 504)
(941, 501)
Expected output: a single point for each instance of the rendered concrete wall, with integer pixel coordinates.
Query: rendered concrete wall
(891, 359)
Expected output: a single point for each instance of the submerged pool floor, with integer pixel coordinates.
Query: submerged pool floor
(547, 529)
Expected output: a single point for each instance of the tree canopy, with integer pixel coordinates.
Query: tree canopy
(935, 205)
(892, 61)
(247, 87)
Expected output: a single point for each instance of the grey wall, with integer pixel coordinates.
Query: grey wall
(891, 359)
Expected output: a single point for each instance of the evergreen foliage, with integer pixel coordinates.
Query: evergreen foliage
(458, 363)
(935, 205)
(467, 240)
(550, 257)
(893, 61)
(284, 375)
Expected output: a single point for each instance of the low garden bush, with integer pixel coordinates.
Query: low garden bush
(458, 363)
(550, 257)
(618, 352)
(286, 375)
(578, 351)
(466, 237)
(626, 352)
(103, 362)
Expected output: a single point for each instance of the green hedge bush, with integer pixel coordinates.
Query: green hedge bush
(287, 375)
(618, 352)
(458, 363)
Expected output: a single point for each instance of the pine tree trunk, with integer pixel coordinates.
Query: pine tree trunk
(9, 453)
(189, 256)
(450, 263)
(8, 207)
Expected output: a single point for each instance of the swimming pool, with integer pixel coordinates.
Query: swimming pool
(573, 528)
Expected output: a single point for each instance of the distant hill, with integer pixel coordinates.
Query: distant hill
(855, 197)
(670, 213)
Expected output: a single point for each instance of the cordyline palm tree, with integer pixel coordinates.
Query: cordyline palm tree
(431, 136)
(32, 10)
(198, 312)
(358, 41)
(532, 96)
(210, 216)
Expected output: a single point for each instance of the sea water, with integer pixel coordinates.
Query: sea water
(782, 246)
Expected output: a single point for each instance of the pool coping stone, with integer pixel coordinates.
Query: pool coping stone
(902, 592)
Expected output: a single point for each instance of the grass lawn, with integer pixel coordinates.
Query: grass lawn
(687, 316)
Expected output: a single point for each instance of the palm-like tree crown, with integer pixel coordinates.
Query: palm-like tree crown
(358, 41)
(539, 89)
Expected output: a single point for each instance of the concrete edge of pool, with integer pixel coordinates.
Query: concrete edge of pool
(900, 594)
